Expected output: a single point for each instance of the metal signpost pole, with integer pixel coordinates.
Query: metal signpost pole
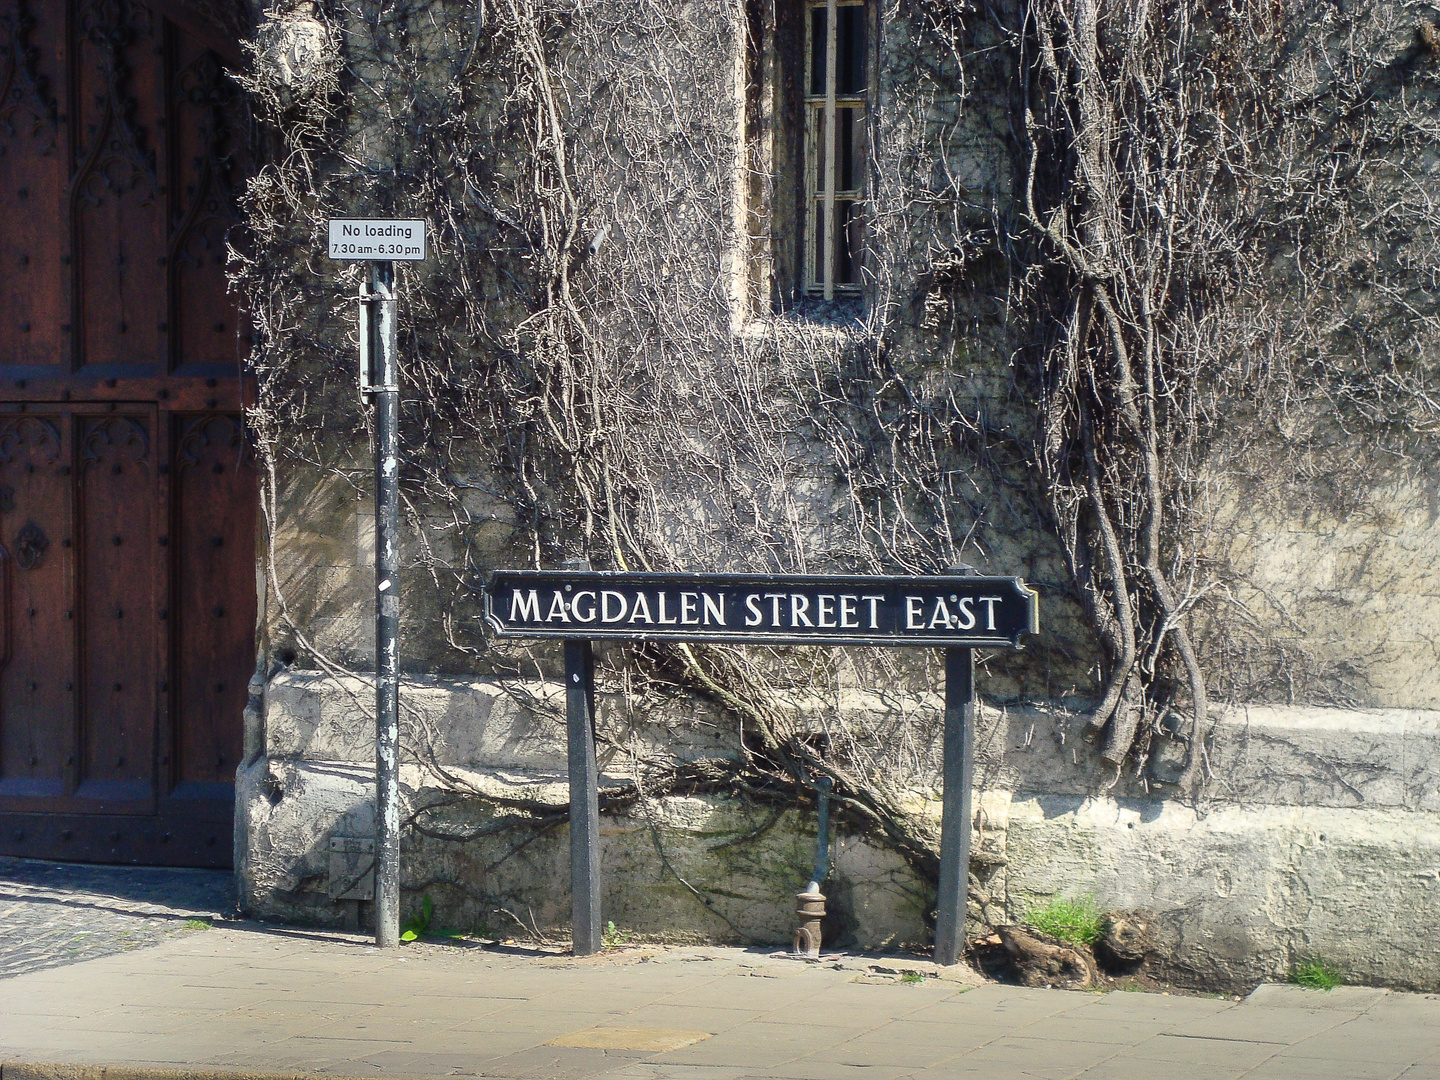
(387, 604)
(584, 798)
(378, 242)
(955, 816)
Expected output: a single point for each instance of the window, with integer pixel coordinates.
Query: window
(837, 108)
(807, 100)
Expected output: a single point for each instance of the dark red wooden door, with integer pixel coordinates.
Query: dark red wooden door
(127, 496)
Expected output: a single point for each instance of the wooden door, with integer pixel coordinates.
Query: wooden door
(127, 496)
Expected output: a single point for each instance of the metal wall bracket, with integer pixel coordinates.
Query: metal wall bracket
(352, 868)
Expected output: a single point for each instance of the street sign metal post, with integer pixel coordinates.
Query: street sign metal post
(958, 777)
(584, 790)
(584, 797)
(380, 242)
(958, 611)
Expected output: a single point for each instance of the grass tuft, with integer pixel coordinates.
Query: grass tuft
(197, 924)
(1315, 975)
(1075, 921)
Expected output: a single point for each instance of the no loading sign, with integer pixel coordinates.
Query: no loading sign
(354, 239)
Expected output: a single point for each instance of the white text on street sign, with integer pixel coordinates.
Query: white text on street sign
(377, 239)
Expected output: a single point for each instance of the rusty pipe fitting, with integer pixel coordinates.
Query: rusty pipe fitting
(809, 909)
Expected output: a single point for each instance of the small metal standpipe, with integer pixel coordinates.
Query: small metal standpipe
(810, 904)
(386, 390)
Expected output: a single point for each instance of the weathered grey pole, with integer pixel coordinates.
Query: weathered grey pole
(584, 797)
(387, 604)
(955, 817)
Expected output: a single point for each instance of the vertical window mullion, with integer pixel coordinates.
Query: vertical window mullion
(832, 19)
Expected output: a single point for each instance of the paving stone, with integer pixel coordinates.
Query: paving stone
(821, 1070)
(1345, 998)
(966, 1035)
(1204, 1052)
(662, 1070)
(479, 1044)
(1404, 1007)
(650, 1039)
(53, 914)
(1284, 1067)
(422, 1063)
(1006, 1011)
(1371, 1042)
(542, 1024)
(1010, 1055)
(1269, 1025)
(1168, 1008)
(1126, 1067)
(755, 1048)
(821, 1011)
(711, 1018)
(243, 996)
(882, 1049)
(558, 1062)
(1107, 1028)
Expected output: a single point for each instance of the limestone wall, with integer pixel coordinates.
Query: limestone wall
(1321, 838)
(1317, 833)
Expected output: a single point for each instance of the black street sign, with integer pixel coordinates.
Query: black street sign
(762, 609)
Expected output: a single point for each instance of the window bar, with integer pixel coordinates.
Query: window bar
(832, 74)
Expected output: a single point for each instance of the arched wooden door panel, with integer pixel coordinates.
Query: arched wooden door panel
(127, 497)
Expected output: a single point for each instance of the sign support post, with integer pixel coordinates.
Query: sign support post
(379, 242)
(955, 813)
(584, 790)
(584, 797)
(387, 604)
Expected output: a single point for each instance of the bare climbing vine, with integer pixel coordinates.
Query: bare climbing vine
(1228, 208)
(1125, 260)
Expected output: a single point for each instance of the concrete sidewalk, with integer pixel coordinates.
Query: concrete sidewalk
(261, 1000)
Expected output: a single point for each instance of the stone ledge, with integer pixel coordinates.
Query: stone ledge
(491, 724)
(1259, 755)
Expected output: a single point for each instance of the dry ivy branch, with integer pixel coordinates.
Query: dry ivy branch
(1227, 209)
(1120, 256)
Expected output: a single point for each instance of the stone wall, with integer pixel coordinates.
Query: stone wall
(1316, 836)
(1321, 838)
(1351, 585)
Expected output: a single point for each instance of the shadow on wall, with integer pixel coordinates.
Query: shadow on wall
(670, 870)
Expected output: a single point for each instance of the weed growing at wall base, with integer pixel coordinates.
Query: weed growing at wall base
(1076, 921)
(1315, 974)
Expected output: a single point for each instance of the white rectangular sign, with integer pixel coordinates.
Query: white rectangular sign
(377, 239)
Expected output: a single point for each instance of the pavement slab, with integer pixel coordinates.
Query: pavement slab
(1282, 1067)
(243, 1000)
(1276, 1024)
